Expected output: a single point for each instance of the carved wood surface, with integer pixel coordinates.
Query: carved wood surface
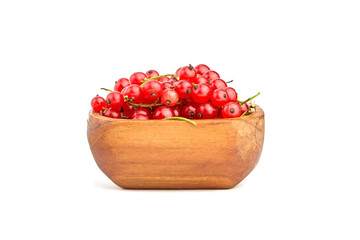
(168, 154)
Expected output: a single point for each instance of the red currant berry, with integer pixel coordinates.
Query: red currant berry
(169, 97)
(142, 111)
(134, 92)
(121, 84)
(151, 74)
(152, 89)
(231, 110)
(137, 78)
(184, 89)
(244, 108)
(219, 97)
(187, 73)
(173, 82)
(164, 79)
(210, 75)
(232, 94)
(115, 100)
(166, 85)
(148, 101)
(98, 103)
(178, 71)
(200, 79)
(128, 109)
(140, 117)
(184, 102)
(112, 113)
(201, 93)
(217, 84)
(176, 110)
(189, 111)
(201, 69)
(163, 112)
(207, 111)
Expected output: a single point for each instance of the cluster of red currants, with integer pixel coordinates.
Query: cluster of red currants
(190, 93)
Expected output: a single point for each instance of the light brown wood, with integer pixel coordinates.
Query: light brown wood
(170, 154)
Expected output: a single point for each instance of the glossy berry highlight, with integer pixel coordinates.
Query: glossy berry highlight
(219, 97)
(211, 75)
(231, 110)
(121, 84)
(151, 74)
(137, 78)
(207, 111)
(114, 100)
(112, 113)
(163, 112)
(134, 93)
(189, 110)
(140, 117)
(169, 97)
(201, 93)
(232, 94)
(217, 84)
(184, 89)
(98, 103)
(201, 69)
(187, 73)
(152, 89)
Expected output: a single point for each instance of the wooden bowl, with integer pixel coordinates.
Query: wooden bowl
(171, 154)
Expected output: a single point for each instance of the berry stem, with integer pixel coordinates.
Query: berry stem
(230, 81)
(180, 118)
(106, 89)
(156, 78)
(247, 112)
(252, 105)
(243, 114)
(143, 105)
(146, 105)
(249, 99)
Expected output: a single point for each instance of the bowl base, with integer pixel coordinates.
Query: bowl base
(175, 183)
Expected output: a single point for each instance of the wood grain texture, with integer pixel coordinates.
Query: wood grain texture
(168, 154)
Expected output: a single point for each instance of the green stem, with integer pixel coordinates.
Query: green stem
(180, 118)
(252, 105)
(146, 105)
(143, 105)
(247, 112)
(156, 78)
(244, 113)
(250, 98)
(230, 81)
(106, 89)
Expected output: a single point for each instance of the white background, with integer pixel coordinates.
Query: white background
(303, 56)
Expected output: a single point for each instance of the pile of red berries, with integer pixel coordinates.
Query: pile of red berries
(190, 93)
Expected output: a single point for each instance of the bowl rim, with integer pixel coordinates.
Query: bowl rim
(257, 114)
